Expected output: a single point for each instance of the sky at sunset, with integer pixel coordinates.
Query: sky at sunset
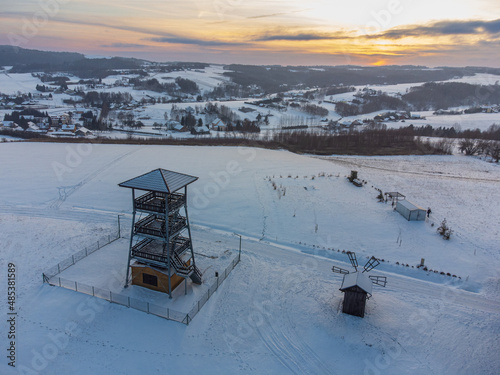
(313, 32)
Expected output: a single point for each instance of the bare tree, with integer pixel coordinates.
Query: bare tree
(469, 146)
(494, 150)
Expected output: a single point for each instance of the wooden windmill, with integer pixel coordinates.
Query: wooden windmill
(357, 285)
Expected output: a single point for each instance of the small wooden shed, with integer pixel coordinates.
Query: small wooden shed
(357, 288)
(152, 277)
(409, 211)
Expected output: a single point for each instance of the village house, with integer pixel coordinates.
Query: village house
(172, 124)
(8, 124)
(218, 125)
(198, 130)
(180, 128)
(65, 118)
(32, 127)
(83, 132)
(70, 128)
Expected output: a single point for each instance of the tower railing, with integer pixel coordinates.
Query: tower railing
(150, 249)
(155, 202)
(155, 226)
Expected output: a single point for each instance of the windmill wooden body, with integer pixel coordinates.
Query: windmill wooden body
(357, 285)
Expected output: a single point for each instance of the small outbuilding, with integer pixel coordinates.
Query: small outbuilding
(409, 211)
(357, 288)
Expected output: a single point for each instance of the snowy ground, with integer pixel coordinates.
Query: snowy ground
(95, 270)
(278, 312)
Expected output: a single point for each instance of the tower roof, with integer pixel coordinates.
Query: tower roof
(159, 180)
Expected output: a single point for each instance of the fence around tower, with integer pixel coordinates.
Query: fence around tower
(51, 277)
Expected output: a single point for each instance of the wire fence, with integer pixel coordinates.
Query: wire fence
(76, 257)
(50, 278)
(213, 288)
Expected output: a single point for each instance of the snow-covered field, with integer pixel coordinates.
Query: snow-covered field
(481, 121)
(279, 312)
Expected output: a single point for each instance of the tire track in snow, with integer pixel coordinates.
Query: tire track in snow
(290, 350)
(75, 214)
(285, 343)
(66, 191)
(282, 351)
(264, 216)
(433, 174)
(399, 282)
(314, 359)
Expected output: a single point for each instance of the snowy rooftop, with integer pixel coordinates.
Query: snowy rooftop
(160, 180)
(410, 206)
(359, 279)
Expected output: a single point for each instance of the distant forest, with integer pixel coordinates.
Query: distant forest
(271, 79)
(27, 61)
(14, 56)
(431, 95)
(284, 78)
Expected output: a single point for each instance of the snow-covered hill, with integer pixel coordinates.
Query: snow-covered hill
(279, 310)
(208, 78)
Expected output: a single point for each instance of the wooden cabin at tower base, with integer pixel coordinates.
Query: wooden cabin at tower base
(153, 278)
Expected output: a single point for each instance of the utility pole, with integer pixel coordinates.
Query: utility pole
(239, 253)
(119, 232)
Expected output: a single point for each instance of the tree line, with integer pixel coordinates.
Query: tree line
(180, 85)
(432, 95)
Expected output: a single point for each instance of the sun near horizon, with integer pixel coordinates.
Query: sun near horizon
(319, 32)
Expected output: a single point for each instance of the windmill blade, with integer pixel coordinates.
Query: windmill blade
(352, 258)
(339, 270)
(378, 280)
(371, 264)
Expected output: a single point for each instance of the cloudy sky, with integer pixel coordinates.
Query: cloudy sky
(291, 32)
